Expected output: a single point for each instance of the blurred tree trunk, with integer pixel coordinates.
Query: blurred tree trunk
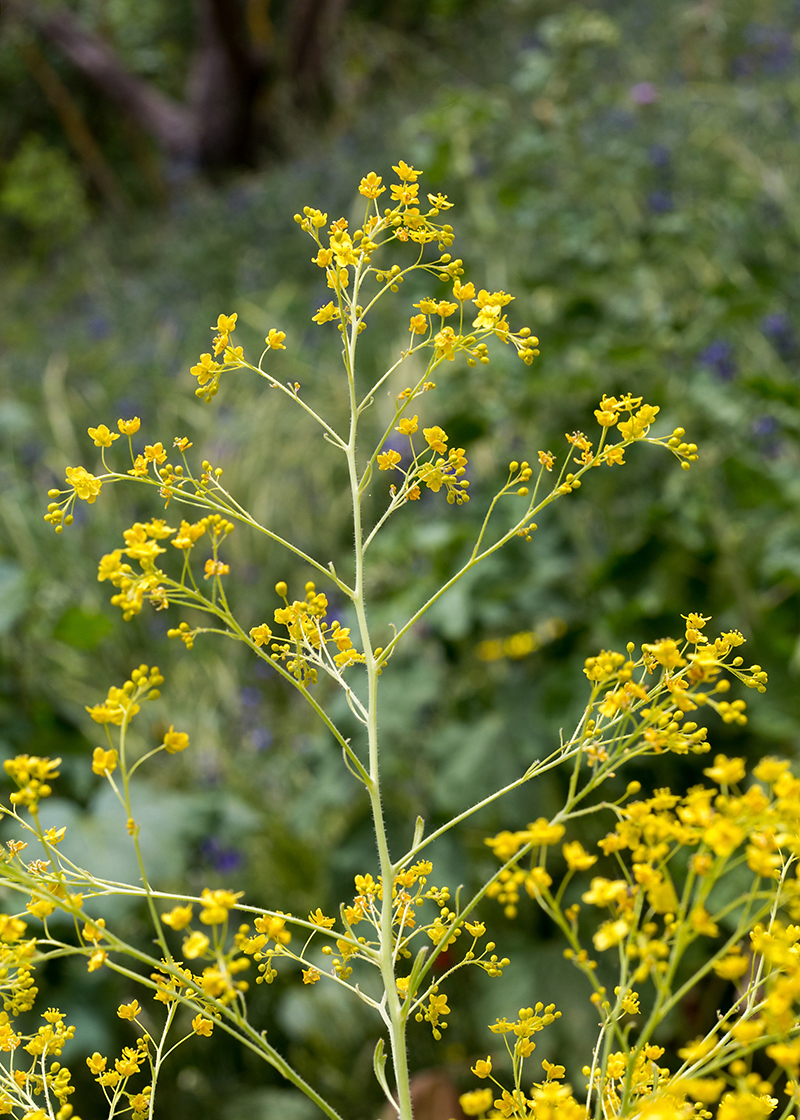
(238, 61)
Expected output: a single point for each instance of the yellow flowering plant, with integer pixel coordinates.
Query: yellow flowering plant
(710, 870)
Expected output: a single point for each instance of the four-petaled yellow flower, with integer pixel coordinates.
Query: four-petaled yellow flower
(261, 634)
(578, 859)
(370, 185)
(175, 741)
(274, 339)
(726, 771)
(325, 314)
(216, 905)
(102, 436)
(436, 438)
(205, 369)
(202, 1025)
(178, 917)
(319, 919)
(405, 172)
(155, 453)
(225, 325)
(85, 485)
(97, 960)
(195, 945)
(388, 460)
(104, 761)
(97, 1063)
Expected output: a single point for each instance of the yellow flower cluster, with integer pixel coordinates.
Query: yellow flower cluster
(664, 901)
(654, 902)
(523, 643)
(45, 1076)
(311, 638)
(32, 776)
(121, 704)
(434, 472)
(151, 583)
(546, 1099)
(346, 257)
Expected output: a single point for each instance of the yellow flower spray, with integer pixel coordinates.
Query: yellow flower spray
(654, 894)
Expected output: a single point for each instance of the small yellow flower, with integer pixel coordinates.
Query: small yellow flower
(311, 975)
(274, 926)
(216, 905)
(370, 185)
(93, 931)
(698, 1048)
(746, 1031)
(476, 1101)
(419, 324)
(542, 832)
(155, 453)
(97, 1063)
(261, 634)
(202, 1025)
(732, 967)
(610, 934)
(274, 339)
(102, 436)
(129, 427)
(40, 907)
(97, 960)
(726, 771)
(407, 425)
(129, 1010)
(436, 438)
(547, 459)
(85, 485)
(195, 945)
(578, 859)
(702, 922)
(482, 1068)
(104, 761)
(319, 919)
(178, 917)
(405, 172)
(388, 460)
(629, 1002)
(140, 467)
(325, 314)
(215, 568)
(175, 741)
(204, 370)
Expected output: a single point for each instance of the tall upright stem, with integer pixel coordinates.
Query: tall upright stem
(394, 1009)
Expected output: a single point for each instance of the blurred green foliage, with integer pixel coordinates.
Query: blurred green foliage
(630, 171)
(42, 190)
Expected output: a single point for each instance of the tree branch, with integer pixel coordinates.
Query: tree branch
(174, 126)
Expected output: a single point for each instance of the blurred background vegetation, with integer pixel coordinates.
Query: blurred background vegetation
(630, 170)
